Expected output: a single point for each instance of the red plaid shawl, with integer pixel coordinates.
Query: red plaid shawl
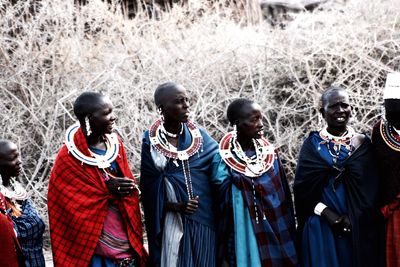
(78, 204)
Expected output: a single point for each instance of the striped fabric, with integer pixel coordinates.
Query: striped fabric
(198, 245)
(173, 231)
(30, 227)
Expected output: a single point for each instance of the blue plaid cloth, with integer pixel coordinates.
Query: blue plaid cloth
(30, 228)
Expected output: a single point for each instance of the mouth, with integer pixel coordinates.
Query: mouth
(340, 119)
(260, 133)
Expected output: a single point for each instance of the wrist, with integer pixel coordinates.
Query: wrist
(319, 208)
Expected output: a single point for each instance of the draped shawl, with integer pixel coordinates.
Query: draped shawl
(154, 191)
(361, 181)
(78, 204)
(388, 161)
(10, 250)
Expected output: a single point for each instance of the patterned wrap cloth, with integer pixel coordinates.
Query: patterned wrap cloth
(274, 235)
(30, 228)
(78, 205)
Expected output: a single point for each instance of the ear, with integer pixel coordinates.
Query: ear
(322, 111)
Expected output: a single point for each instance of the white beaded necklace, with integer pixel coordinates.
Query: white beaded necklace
(101, 161)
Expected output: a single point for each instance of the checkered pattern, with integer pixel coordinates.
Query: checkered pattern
(275, 234)
(30, 228)
(78, 204)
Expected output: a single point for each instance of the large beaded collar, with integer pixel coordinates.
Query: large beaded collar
(101, 161)
(265, 156)
(162, 146)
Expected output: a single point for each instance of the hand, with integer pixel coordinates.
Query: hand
(192, 205)
(340, 224)
(189, 207)
(120, 187)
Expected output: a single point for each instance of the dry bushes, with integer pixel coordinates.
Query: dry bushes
(47, 59)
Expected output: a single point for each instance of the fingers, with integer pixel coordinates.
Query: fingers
(192, 205)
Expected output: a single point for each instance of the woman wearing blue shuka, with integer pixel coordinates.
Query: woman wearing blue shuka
(336, 193)
(256, 222)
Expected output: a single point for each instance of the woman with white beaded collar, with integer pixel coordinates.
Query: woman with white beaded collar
(175, 183)
(336, 192)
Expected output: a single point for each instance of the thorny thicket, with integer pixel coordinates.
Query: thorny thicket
(49, 55)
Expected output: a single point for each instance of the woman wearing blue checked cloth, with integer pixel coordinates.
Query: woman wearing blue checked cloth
(28, 225)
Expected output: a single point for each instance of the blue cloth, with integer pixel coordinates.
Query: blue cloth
(30, 227)
(198, 244)
(320, 247)
(274, 243)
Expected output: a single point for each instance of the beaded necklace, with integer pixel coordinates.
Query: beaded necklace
(160, 143)
(390, 135)
(337, 142)
(234, 156)
(101, 161)
(15, 193)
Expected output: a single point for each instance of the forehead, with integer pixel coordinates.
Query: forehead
(8, 149)
(250, 110)
(337, 96)
(173, 93)
(102, 103)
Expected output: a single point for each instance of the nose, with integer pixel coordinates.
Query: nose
(113, 117)
(260, 124)
(186, 104)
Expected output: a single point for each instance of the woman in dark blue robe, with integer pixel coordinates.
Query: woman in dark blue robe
(336, 193)
(175, 183)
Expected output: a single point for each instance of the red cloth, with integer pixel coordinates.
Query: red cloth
(78, 205)
(10, 251)
(392, 216)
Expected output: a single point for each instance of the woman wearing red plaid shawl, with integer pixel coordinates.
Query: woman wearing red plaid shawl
(175, 181)
(93, 199)
(256, 211)
(15, 202)
(386, 140)
(336, 189)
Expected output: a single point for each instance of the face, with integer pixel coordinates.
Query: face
(337, 111)
(10, 161)
(392, 112)
(250, 123)
(102, 121)
(175, 106)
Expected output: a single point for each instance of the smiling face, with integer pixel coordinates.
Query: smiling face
(336, 111)
(10, 161)
(175, 105)
(102, 120)
(250, 123)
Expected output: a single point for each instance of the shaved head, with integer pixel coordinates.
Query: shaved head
(163, 91)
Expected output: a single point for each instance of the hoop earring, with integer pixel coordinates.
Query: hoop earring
(87, 126)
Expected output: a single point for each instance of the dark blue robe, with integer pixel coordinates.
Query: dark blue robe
(198, 242)
(348, 187)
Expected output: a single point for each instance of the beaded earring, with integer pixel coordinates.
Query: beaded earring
(159, 110)
(87, 126)
(234, 132)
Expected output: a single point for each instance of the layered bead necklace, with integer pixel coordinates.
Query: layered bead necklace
(159, 141)
(233, 155)
(337, 142)
(15, 194)
(390, 135)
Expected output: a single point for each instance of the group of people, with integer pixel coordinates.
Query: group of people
(207, 203)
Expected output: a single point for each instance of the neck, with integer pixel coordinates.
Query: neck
(94, 140)
(6, 181)
(245, 142)
(337, 132)
(173, 127)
